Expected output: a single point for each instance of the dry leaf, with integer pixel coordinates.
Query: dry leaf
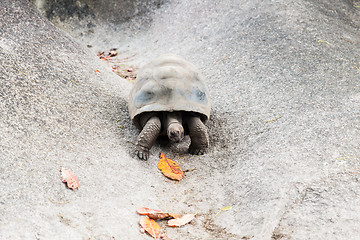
(170, 168)
(150, 226)
(70, 179)
(113, 52)
(101, 54)
(177, 222)
(147, 211)
(165, 237)
(107, 55)
(174, 215)
(155, 214)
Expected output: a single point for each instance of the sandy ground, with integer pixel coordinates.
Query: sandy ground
(284, 151)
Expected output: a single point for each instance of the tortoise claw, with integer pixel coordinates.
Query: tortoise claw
(143, 154)
(196, 151)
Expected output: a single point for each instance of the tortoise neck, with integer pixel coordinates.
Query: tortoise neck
(173, 118)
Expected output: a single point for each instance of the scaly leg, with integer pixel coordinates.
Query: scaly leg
(198, 135)
(147, 137)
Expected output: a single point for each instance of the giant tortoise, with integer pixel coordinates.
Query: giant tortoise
(169, 97)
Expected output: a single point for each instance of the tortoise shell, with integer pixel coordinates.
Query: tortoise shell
(166, 84)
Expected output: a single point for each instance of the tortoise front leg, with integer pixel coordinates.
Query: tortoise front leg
(147, 137)
(198, 135)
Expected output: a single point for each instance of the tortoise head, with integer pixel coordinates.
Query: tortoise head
(175, 132)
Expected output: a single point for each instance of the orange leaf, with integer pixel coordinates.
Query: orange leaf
(170, 168)
(155, 214)
(70, 179)
(165, 237)
(150, 226)
(147, 211)
(174, 215)
(177, 222)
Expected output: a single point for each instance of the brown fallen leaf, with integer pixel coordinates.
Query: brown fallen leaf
(70, 179)
(170, 168)
(174, 215)
(101, 54)
(150, 226)
(113, 52)
(106, 58)
(107, 55)
(177, 222)
(156, 214)
(147, 211)
(165, 237)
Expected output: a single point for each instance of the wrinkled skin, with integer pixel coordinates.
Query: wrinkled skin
(173, 124)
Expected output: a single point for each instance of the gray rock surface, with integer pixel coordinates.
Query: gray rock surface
(92, 12)
(284, 129)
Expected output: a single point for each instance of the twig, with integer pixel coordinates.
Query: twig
(322, 41)
(74, 82)
(273, 120)
(357, 68)
(223, 209)
(19, 71)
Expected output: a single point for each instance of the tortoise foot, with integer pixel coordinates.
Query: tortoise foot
(142, 153)
(196, 151)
